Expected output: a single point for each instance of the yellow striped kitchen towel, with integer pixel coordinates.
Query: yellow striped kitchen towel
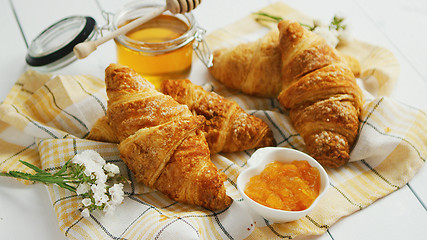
(46, 118)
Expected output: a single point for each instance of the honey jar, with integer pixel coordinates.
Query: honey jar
(159, 49)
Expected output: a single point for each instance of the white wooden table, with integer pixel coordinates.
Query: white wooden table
(400, 26)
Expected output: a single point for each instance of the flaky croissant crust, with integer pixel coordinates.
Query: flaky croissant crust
(315, 84)
(253, 68)
(228, 128)
(161, 141)
(321, 92)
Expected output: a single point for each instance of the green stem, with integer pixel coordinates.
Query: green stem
(5, 174)
(269, 17)
(309, 27)
(63, 169)
(43, 177)
(34, 167)
(38, 177)
(66, 186)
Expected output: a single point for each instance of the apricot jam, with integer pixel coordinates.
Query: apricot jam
(285, 186)
(155, 50)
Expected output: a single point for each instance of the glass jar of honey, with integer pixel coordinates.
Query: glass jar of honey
(159, 49)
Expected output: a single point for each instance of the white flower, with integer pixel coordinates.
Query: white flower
(91, 160)
(93, 188)
(91, 167)
(330, 35)
(93, 156)
(86, 202)
(116, 193)
(78, 159)
(98, 171)
(88, 171)
(98, 188)
(85, 213)
(99, 195)
(101, 178)
(100, 199)
(88, 156)
(82, 188)
(111, 168)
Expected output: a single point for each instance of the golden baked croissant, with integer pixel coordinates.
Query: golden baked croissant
(228, 128)
(253, 68)
(321, 92)
(101, 131)
(316, 85)
(161, 141)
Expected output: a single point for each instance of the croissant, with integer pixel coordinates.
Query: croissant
(316, 86)
(321, 92)
(161, 141)
(253, 68)
(101, 131)
(228, 128)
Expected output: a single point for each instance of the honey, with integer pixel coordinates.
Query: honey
(285, 186)
(159, 49)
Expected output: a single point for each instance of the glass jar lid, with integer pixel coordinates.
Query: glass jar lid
(53, 47)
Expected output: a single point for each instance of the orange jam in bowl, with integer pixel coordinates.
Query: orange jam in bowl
(158, 49)
(280, 178)
(286, 186)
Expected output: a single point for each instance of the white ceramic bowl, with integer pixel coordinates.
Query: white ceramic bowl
(257, 163)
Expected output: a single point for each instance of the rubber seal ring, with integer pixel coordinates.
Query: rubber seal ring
(64, 51)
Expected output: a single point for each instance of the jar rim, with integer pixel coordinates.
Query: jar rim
(53, 47)
(135, 9)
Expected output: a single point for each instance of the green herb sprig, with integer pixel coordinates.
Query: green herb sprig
(337, 23)
(60, 178)
(267, 17)
(98, 183)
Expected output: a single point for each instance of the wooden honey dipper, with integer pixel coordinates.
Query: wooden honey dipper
(84, 49)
